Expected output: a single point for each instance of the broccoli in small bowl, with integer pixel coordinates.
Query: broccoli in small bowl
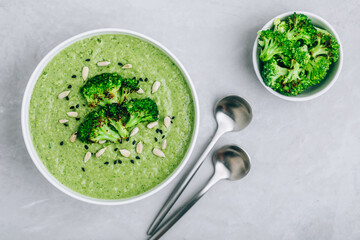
(297, 56)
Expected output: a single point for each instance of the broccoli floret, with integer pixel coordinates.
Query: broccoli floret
(293, 74)
(141, 110)
(108, 88)
(117, 116)
(299, 26)
(296, 54)
(284, 80)
(271, 43)
(280, 26)
(128, 86)
(273, 74)
(325, 45)
(316, 70)
(299, 54)
(292, 84)
(102, 89)
(96, 128)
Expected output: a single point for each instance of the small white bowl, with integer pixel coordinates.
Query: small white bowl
(314, 91)
(25, 117)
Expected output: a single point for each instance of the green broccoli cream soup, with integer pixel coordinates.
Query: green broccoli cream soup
(110, 175)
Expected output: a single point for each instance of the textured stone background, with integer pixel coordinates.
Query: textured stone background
(305, 177)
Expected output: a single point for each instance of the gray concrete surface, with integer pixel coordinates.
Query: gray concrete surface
(305, 180)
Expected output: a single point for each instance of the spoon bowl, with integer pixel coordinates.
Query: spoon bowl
(233, 112)
(232, 161)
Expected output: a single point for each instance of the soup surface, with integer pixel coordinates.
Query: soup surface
(110, 176)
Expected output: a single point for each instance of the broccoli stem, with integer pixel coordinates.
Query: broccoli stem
(269, 50)
(124, 94)
(120, 128)
(106, 101)
(133, 121)
(318, 49)
(280, 72)
(293, 74)
(106, 133)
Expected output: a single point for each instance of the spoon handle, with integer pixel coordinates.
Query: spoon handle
(182, 210)
(184, 182)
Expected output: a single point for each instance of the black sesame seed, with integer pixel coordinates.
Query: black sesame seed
(134, 78)
(171, 121)
(161, 132)
(65, 124)
(119, 161)
(69, 86)
(83, 169)
(146, 79)
(115, 149)
(115, 161)
(141, 79)
(137, 157)
(132, 161)
(73, 76)
(72, 107)
(133, 143)
(127, 139)
(173, 117)
(156, 139)
(84, 105)
(86, 147)
(120, 64)
(77, 119)
(157, 130)
(88, 59)
(67, 98)
(120, 141)
(163, 136)
(77, 105)
(61, 143)
(106, 163)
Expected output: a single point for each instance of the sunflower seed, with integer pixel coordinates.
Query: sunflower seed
(152, 124)
(73, 137)
(155, 87)
(63, 120)
(139, 147)
(100, 152)
(63, 94)
(85, 73)
(125, 153)
(134, 131)
(163, 145)
(72, 114)
(158, 152)
(167, 121)
(127, 66)
(140, 91)
(103, 64)
(87, 157)
(102, 141)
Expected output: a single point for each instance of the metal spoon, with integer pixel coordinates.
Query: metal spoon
(232, 113)
(231, 163)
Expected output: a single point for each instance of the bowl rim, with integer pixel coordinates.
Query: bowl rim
(298, 98)
(25, 117)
